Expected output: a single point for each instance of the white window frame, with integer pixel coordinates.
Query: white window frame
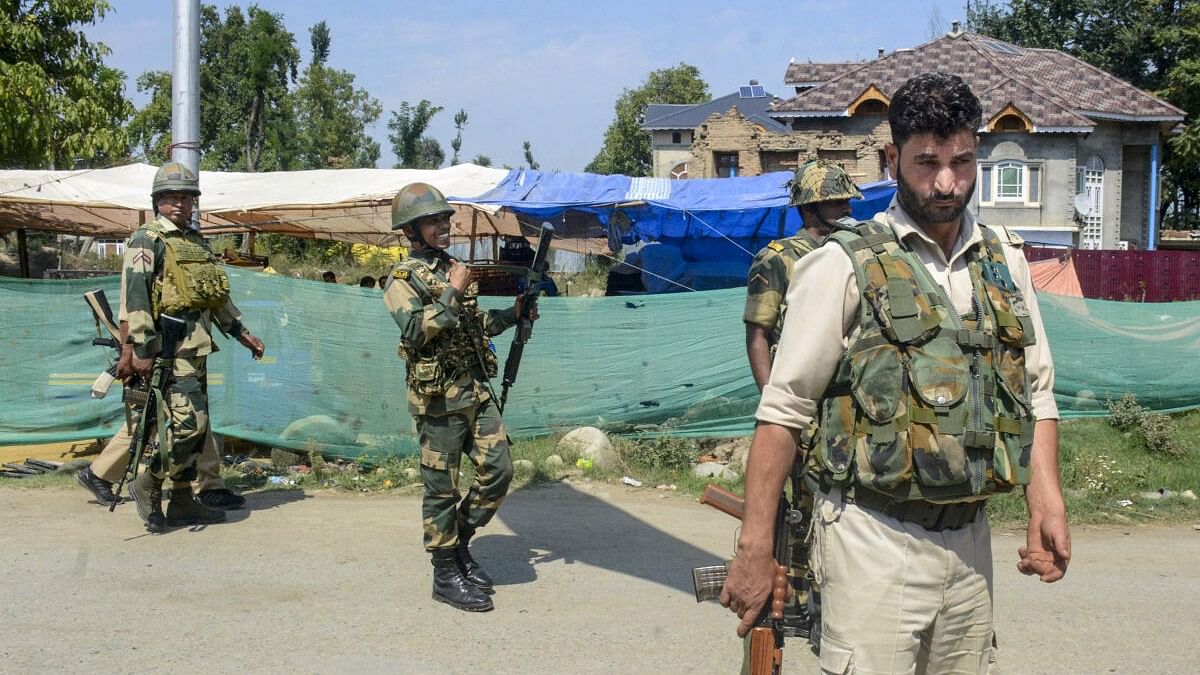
(991, 171)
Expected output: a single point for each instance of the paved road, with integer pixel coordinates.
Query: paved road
(592, 579)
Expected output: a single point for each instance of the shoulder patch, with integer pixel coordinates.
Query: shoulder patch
(775, 246)
(400, 273)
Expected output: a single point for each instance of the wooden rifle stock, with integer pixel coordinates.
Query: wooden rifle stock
(723, 500)
(766, 639)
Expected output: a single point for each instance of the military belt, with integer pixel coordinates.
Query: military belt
(935, 517)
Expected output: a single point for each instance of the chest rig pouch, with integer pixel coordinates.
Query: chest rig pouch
(191, 278)
(926, 404)
(434, 367)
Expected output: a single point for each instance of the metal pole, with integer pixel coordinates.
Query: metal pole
(185, 86)
(1152, 245)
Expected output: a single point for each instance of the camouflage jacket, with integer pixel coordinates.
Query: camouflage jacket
(425, 307)
(767, 281)
(926, 404)
(141, 289)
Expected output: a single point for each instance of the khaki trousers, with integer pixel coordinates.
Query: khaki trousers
(897, 598)
(114, 460)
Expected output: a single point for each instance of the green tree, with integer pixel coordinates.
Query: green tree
(460, 121)
(150, 129)
(246, 64)
(412, 149)
(626, 148)
(332, 115)
(482, 160)
(60, 105)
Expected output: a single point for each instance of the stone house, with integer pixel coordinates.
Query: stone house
(1066, 150)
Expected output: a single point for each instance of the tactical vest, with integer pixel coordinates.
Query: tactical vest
(926, 404)
(191, 278)
(452, 352)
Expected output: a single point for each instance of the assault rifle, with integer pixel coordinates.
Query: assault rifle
(535, 276)
(766, 638)
(102, 313)
(172, 331)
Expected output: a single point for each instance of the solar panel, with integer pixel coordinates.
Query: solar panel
(758, 91)
(744, 92)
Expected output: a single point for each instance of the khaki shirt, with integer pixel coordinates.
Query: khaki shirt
(823, 316)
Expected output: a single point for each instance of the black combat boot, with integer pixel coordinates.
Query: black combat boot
(471, 570)
(185, 510)
(146, 491)
(100, 488)
(221, 499)
(450, 587)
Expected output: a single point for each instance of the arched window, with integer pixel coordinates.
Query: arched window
(679, 171)
(1091, 187)
(1010, 182)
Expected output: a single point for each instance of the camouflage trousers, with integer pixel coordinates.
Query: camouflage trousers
(187, 408)
(479, 432)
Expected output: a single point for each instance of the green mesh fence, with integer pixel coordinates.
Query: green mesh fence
(657, 364)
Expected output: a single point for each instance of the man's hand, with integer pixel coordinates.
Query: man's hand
(1047, 550)
(125, 363)
(461, 276)
(252, 343)
(519, 306)
(748, 587)
(143, 366)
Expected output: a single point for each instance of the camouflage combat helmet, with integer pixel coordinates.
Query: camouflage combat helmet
(175, 177)
(416, 201)
(820, 181)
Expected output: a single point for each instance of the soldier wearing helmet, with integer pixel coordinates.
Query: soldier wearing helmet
(444, 340)
(821, 193)
(169, 271)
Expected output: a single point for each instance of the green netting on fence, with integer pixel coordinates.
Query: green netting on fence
(662, 364)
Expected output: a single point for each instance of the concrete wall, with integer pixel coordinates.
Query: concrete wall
(1136, 196)
(1053, 221)
(665, 154)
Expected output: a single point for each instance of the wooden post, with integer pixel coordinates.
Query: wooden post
(23, 253)
(474, 229)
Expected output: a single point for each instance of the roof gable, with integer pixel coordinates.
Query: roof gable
(1058, 92)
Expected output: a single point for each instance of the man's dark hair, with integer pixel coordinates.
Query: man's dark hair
(329, 277)
(367, 282)
(935, 103)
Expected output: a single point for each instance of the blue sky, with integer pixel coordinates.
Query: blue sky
(548, 72)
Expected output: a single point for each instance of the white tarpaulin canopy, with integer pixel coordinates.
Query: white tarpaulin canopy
(351, 205)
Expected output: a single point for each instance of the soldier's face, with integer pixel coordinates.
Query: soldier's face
(829, 212)
(435, 230)
(935, 177)
(176, 207)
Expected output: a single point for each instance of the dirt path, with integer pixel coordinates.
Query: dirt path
(593, 579)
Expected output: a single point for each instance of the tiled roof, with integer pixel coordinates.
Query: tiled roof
(692, 116)
(1056, 90)
(807, 73)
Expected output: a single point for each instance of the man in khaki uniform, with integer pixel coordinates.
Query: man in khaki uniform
(169, 274)
(915, 343)
(821, 193)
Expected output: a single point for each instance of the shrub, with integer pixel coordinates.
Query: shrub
(663, 452)
(1125, 414)
(1158, 430)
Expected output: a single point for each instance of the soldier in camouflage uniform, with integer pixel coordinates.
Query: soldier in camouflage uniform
(444, 341)
(821, 192)
(169, 270)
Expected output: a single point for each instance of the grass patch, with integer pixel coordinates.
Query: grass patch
(1099, 464)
